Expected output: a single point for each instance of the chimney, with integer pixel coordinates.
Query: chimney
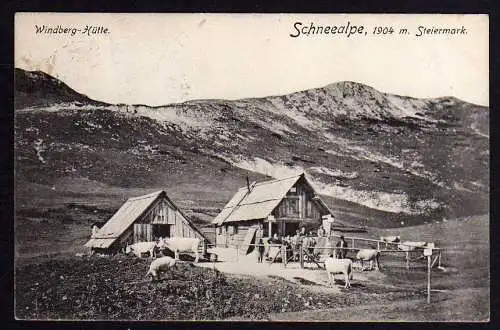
(248, 184)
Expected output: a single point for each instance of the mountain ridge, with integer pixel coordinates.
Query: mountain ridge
(358, 144)
(47, 89)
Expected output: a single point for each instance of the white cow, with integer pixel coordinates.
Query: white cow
(142, 247)
(368, 255)
(410, 246)
(160, 265)
(182, 244)
(339, 266)
(390, 239)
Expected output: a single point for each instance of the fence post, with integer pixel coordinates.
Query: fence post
(407, 260)
(428, 279)
(352, 240)
(301, 256)
(283, 254)
(378, 246)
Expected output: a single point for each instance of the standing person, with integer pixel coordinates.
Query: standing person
(321, 231)
(94, 230)
(342, 245)
(260, 250)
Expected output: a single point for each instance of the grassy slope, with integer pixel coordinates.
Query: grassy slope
(466, 305)
(395, 294)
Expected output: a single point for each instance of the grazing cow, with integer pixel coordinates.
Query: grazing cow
(160, 265)
(142, 247)
(339, 266)
(390, 239)
(182, 244)
(410, 246)
(368, 255)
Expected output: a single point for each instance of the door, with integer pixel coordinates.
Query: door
(161, 230)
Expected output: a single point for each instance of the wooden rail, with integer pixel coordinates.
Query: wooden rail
(353, 239)
(282, 250)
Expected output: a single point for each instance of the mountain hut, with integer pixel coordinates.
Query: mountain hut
(278, 206)
(142, 219)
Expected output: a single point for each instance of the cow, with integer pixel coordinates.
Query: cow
(339, 266)
(368, 255)
(390, 239)
(182, 244)
(410, 246)
(142, 247)
(160, 265)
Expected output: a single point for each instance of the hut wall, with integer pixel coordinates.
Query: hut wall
(163, 213)
(298, 203)
(181, 228)
(126, 238)
(233, 234)
(143, 232)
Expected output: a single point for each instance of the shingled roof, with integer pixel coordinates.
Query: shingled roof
(259, 202)
(128, 213)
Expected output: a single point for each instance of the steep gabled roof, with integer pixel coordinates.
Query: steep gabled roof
(128, 213)
(259, 202)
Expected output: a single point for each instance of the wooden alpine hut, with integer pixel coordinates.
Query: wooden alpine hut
(142, 219)
(278, 206)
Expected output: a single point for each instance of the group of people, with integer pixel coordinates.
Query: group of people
(300, 236)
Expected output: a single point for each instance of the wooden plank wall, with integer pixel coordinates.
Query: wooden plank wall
(234, 240)
(298, 203)
(165, 213)
(143, 232)
(209, 233)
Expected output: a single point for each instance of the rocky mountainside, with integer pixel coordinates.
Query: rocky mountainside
(378, 159)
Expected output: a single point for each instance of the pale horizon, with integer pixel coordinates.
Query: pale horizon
(161, 59)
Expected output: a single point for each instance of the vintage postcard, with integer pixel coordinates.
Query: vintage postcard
(276, 167)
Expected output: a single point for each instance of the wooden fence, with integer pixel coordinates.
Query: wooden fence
(357, 243)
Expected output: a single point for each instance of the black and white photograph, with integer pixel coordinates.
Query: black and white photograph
(251, 167)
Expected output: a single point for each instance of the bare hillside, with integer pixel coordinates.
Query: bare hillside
(379, 159)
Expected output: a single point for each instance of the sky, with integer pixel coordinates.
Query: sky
(157, 59)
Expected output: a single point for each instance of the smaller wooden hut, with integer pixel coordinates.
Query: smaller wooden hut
(143, 219)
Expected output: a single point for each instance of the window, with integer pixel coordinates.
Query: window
(232, 229)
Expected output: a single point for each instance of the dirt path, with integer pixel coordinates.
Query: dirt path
(310, 277)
